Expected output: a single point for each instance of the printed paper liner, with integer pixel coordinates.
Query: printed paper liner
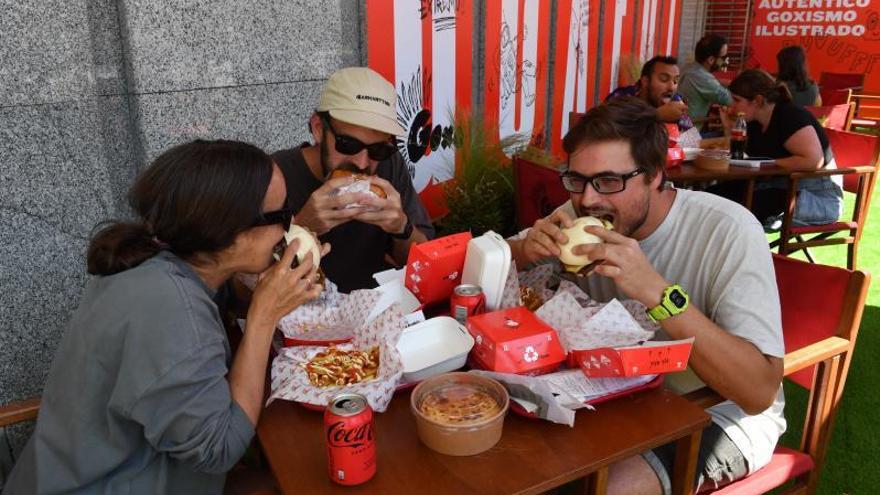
(290, 381)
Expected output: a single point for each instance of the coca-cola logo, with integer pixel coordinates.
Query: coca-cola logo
(340, 436)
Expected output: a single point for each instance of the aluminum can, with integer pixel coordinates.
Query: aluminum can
(351, 447)
(467, 300)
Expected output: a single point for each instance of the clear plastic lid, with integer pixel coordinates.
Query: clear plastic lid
(459, 404)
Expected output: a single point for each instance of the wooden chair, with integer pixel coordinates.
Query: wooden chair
(837, 117)
(866, 110)
(856, 158)
(19, 412)
(820, 329)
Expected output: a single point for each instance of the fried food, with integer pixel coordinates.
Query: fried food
(336, 368)
(529, 298)
(459, 405)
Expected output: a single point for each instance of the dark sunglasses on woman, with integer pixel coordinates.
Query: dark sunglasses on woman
(348, 145)
(283, 216)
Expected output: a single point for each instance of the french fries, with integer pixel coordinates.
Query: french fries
(337, 368)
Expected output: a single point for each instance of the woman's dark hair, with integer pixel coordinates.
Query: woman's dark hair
(624, 119)
(194, 198)
(753, 82)
(792, 64)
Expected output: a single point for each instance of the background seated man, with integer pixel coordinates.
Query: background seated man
(354, 127)
(657, 86)
(666, 244)
(698, 85)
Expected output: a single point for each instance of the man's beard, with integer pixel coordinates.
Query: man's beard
(626, 230)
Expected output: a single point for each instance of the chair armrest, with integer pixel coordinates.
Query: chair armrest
(859, 169)
(18, 412)
(814, 353)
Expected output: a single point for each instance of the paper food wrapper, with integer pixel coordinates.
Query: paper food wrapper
(535, 396)
(690, 138)
(290, 381)
(331, 316)
(593, 326)
(357, 187)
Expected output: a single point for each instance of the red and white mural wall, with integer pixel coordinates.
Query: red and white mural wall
(426, 48)
(837, 35)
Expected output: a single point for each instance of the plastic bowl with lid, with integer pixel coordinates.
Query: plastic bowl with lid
(459, 413)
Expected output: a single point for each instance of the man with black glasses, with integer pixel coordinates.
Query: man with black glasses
(700, 266)
(354, 127)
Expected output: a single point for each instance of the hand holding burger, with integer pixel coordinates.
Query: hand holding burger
(306, 243)
(576, 235)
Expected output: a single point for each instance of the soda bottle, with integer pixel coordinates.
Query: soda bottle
(738, 138)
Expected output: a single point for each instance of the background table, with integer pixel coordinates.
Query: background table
(533, 455)
(689, 174)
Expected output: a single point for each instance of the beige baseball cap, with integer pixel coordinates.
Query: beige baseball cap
(360, 96)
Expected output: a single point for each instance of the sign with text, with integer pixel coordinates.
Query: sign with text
(837, 35)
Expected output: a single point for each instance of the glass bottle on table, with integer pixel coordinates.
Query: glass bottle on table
(738, 137)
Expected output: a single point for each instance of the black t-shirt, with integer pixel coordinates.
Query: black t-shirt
(787, 119)
(357, 249)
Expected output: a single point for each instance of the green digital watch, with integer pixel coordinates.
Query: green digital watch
(674, 301)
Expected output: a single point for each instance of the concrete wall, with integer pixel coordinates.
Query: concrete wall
(91, 90)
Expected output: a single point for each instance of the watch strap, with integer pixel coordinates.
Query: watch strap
(407, 232)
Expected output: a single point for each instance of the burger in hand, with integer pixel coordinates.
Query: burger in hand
(361, 183)
(308, 243)
(580, 264)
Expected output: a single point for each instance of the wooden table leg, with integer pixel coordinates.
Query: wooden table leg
(685, 468)
(595, 483)
(750, 191)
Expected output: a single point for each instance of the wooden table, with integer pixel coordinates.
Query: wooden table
(689, 174)
(532, 457)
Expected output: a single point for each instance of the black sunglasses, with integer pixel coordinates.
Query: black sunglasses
(348, 145)
(604, 183)
(283, 216)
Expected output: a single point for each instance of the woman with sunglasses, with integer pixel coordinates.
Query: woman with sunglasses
(144, 395)
(354, 128)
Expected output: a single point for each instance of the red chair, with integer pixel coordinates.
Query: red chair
(837, 117)
(856, 158)
(538, 191)
(835, 96)
(820, 329)
(841, 80)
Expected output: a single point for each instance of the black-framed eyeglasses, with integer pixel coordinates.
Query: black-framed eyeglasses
(348, 145)
(603, 183)
(283, 216)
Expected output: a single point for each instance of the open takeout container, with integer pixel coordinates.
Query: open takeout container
(477, 432)
(712, 160)
(432, 347)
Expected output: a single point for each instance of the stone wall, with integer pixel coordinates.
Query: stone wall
(91, 90)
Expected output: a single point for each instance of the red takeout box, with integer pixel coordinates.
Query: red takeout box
(514, 340)
(433, 268)
(650, 358)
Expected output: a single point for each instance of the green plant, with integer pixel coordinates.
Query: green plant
(480, 197)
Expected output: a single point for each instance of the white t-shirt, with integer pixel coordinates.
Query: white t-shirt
(717, 251)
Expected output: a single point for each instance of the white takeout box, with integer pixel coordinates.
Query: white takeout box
(432, 347)
(486, 264)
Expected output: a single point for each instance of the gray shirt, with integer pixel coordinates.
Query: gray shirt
(701, 89)
(805, 98)
(137, 399)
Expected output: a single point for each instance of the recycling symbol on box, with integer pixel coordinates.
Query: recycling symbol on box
(530, 354)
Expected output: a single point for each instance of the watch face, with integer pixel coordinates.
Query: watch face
(677, 298)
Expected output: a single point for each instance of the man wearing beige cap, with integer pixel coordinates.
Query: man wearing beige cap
(354, 129)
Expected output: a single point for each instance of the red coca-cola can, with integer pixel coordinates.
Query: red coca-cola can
(467, 300)
(351, 448)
